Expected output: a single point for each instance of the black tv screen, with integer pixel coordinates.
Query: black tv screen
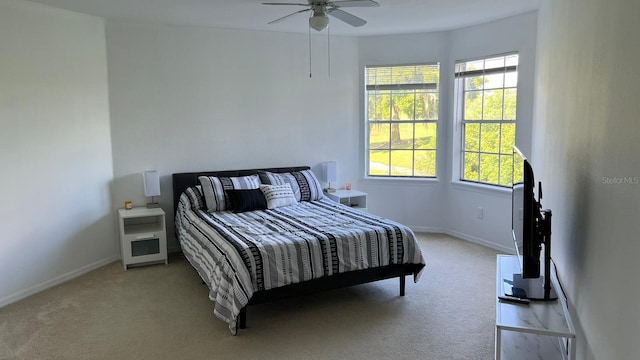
(531, 229)
(524, 216)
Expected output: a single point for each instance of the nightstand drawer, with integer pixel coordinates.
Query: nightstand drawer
(149, 246)
(146, 249)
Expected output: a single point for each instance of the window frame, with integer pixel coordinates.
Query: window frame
(458, 114)
(368, 122)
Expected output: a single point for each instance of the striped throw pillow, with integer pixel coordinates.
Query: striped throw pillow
(310, 188)
(269, 178)
(278, 195)
(304, 184)
(194, 197)
(214, 188)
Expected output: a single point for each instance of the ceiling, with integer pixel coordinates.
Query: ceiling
(392, 17)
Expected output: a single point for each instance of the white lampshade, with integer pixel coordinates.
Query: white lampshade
(330, 171)
(151, 181)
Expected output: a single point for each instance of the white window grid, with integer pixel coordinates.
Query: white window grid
(461, 92)
(399, 88)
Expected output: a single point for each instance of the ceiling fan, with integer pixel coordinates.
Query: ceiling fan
(320, 9)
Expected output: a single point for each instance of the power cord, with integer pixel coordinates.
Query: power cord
(555, 268)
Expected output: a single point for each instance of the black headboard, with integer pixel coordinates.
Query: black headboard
(183, 181)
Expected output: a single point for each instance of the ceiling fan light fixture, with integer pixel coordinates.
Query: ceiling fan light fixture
(319, 21)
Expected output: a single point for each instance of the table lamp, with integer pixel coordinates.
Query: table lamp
(330, 174)
(151, 181)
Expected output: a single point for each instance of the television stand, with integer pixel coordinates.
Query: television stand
(532, 289)
(538, 330)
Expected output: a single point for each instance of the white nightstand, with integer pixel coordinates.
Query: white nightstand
(143, 236)
(354, 198)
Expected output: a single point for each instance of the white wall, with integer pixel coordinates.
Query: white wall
(420, 204)
(586, 133)
(192, 99)
(439, 205)
(55, 148)
(516, 33)
(225, 99)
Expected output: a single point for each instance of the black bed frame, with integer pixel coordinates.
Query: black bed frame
(182, 181)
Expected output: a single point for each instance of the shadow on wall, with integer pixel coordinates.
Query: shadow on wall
(579, 213)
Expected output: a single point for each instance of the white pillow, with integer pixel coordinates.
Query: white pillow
(278, 195)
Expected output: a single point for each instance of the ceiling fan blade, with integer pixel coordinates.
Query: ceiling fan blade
(346, 17)
(355, 3)
(271, 3)
(286, 16)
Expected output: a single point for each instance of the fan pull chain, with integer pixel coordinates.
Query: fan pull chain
(329, 50)
(309, 52)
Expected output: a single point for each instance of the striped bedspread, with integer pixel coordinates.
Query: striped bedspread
(239, 254)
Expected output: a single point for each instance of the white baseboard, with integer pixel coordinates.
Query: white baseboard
(56, 281)
(427, 229)
(479, 241)
(463, 236)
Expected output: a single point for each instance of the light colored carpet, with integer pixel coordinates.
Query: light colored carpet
(163, 312)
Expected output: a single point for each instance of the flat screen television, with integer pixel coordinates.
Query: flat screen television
(531, 232)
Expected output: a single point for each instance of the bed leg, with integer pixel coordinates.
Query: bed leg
(242, 319)
(402, 283)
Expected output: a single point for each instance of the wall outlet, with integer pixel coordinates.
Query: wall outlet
(480, 213)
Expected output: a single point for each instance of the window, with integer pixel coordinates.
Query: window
(402, 120)
(485, 104)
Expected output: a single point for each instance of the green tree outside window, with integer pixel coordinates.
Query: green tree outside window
(402, 120)
(486, 91)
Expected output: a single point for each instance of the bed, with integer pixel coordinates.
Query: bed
(249, 254)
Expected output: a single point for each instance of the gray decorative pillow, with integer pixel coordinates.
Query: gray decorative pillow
(278, 195)
(304, 184)
(269, 178)
(214, 188)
